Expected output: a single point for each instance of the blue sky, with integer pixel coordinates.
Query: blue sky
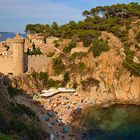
(15, 14)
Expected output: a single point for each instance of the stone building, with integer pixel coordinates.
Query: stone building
(12, 62)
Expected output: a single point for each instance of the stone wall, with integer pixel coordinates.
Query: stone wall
(6, 64)
(38, 62)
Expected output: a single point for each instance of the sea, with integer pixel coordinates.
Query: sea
(118, 122)
(6, 35)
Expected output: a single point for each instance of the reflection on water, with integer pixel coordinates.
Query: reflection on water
(118, 122)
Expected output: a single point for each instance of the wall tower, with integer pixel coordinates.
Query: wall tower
(18, 55)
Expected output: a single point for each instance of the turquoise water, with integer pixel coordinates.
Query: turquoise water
(118, 122)
(9, 35)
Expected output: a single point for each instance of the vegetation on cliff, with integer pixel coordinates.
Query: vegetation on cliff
(101, 18)
(69, 47)
(99, 47)
(115, 19)
(6, 137)
(34, 51)
(58, 65)
(16, 121)
(138, 37)
(129, 63)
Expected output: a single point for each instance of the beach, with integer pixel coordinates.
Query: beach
(54, 113)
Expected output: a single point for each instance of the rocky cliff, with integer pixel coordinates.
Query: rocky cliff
(16, 120)
(109, 77)
(104, 78)
(115, 83)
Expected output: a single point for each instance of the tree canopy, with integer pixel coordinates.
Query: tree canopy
(98, 18)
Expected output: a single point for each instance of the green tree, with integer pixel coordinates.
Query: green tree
(86, 13)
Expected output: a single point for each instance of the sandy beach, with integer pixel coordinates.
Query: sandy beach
(54, 113)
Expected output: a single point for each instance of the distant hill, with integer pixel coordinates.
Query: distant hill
(7, 33)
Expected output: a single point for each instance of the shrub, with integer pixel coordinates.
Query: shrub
(86, 42)
(117, 31)
(75, 85)
(30, 131)
(133, 67)
(99, 46)
(87, 36)
(43, 77)
(51, 54)
(137, 46)
(81, 66)
(44, 39)
(79, 54)
(4, 126)
(52, 83)
(56, 44)
(66, 77)
(12, 91)
(90, 82)
(5, 137)
(68, 48)
(18, 125)
(34, 51)
(24, 109)
(58, 65)
(138, 37)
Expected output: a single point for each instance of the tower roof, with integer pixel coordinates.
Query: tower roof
(18, 39)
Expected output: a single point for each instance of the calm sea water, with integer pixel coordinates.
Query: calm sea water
(119, 122)
(9, 35)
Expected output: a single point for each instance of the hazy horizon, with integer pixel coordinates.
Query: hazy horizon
(15, 14)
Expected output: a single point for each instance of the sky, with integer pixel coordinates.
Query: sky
(16, 14)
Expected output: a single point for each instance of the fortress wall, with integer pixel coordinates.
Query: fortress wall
(6, 64)
(38, 62)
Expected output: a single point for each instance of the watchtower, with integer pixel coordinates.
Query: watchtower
(18, 55)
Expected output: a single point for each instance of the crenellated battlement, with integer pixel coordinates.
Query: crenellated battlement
(5, 57)
(36, 56)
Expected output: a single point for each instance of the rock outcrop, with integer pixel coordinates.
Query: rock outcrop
(17, 120)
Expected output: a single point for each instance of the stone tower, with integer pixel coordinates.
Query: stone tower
(18, 55)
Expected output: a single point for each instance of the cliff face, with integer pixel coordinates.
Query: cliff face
(28, 83)
(4, 98)
(16, 120)
(111, 81)
(116, 84)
